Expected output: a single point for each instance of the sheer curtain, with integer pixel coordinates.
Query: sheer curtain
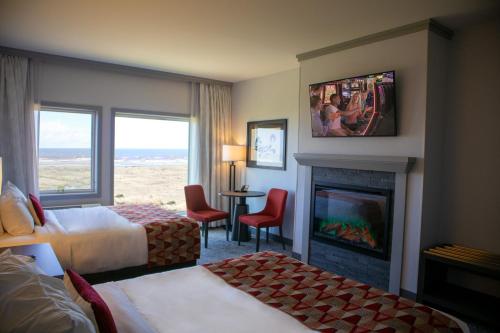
(17, 122)
(210, 129)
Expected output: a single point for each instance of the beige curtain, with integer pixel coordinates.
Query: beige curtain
(210, 129)
(17, 122)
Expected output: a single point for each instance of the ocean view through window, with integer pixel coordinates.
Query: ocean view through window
(151, 160)
(66, 149)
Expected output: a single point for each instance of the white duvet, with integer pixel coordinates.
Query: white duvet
(192, 300)
(89, 240)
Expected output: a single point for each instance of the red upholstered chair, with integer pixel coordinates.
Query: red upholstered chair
(271, 216)
(199, 210)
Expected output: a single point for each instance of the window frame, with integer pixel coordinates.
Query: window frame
(96, 150)
(142, 114)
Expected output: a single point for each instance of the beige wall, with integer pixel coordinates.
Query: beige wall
(471, 199)
(82, 85)
(407, 55)
(269, 97)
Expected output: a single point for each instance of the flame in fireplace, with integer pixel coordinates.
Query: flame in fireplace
(354, 230)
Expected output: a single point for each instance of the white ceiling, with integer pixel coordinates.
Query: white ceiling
(229, 40)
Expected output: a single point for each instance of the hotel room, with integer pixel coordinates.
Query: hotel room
(249, 166)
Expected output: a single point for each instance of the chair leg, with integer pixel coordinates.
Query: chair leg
(227, 229)
(267, 234)
(281, 236)
(258, 239)
(239, 233)
(206, 235)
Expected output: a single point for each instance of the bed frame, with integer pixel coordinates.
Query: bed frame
(132, 272)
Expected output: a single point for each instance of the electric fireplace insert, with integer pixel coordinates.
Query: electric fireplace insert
(357, 218)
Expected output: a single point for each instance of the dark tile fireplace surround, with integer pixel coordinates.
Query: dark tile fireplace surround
(357, 230)
(343, 258)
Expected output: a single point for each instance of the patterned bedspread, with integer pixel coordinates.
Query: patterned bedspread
(172, 239)
(326, 302)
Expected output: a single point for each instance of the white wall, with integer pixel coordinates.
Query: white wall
(407, 55)
(82, 85)
(269, 97)
(471, 199)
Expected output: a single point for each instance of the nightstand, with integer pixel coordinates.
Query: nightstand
(44, 256)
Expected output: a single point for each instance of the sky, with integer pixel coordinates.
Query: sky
(73, 130)
(151, 133)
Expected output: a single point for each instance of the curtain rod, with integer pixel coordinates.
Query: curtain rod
(100, 65)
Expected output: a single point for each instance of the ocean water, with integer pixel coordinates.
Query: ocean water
(120, 154)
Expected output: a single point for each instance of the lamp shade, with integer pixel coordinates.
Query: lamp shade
(233, 153)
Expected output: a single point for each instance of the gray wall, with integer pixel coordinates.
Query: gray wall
(471, 199)
(435, 122)
(82, 85)
(408, 56)
(269, 97)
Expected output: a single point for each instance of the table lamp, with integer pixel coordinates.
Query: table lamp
(233, 153)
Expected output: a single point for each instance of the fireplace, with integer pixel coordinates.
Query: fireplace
(352, 217)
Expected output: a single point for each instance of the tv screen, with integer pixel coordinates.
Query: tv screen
(358, 106)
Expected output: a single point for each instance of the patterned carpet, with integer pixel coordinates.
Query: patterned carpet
(219, 248)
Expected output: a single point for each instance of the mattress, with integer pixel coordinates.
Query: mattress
(193, 300)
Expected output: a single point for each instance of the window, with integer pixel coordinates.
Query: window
(67, 150)
(151, 159)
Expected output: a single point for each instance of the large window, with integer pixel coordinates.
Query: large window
(151, 159)
(67, 149)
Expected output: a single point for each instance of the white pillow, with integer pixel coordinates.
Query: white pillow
(33, 303)
(82, 303)
(16, 192)
(15, 215)
(121, 306)
(14, 263)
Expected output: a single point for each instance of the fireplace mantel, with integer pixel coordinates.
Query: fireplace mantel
(397, 164)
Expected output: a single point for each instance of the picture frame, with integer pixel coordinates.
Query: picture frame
(266, 144)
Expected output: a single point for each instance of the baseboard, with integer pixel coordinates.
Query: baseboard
(272, 236)
(408, 294)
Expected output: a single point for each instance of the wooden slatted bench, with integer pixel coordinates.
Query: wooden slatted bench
(461, 280)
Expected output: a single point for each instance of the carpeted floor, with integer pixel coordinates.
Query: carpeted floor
(219, 248)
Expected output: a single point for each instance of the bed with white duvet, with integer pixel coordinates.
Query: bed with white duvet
(89, 240)
(196, 300)
(202, 299)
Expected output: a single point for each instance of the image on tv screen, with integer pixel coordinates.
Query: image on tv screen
(358, 106)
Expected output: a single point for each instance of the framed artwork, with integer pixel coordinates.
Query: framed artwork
(266, 144)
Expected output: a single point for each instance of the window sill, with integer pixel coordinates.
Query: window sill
(70, 199)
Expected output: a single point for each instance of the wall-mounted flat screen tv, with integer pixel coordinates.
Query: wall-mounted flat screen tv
(358, 106)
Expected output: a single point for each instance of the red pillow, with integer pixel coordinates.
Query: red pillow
(37, 206)
(102, 314)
